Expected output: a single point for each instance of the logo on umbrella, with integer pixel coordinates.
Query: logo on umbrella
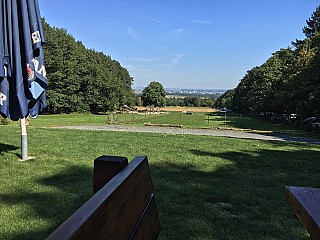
(36, 37)
(2, 98)
(30, 73)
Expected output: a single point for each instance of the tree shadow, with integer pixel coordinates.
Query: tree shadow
(238, 121)
(64, 193)
(293, 137)
(5, 148)
(236, 195)
(241, 198)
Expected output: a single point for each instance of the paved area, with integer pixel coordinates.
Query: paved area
(205, 132)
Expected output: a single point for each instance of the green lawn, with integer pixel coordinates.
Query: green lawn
(206, 187)
(195, 120)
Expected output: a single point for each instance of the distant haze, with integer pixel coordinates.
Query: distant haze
(188, 91)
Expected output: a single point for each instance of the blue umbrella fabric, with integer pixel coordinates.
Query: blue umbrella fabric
(22, 69)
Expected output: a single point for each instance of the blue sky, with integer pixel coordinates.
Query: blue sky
(183, 44)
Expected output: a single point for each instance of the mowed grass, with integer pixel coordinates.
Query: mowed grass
(195, 120)
(206, 187)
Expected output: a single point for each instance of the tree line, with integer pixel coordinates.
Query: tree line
(81, 79)
(155, 95)
(288, 82)
(190, 101)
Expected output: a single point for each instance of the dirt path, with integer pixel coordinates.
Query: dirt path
(205, 132)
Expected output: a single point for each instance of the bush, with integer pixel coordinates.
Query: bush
(4, 121)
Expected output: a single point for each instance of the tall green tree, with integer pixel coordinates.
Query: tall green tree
(313, 24)
(288, 82)
(154, 95)
(82, 79)
(304, 86)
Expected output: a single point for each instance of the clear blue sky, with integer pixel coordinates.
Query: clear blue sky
(183, 44)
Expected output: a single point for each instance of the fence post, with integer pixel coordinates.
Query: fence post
(105, 168)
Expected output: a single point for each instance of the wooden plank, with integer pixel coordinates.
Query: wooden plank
(305, 202)
(113, 211)
(148, 226)
(105, 168)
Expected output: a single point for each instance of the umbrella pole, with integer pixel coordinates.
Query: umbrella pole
(24, 140)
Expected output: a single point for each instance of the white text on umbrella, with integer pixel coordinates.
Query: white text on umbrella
(42, 69)
(2, 98)
(36, 37)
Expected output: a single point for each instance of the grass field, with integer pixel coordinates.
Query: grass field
(195, 120)
(206, 187)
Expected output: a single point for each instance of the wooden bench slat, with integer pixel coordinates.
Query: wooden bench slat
(113, 211)
(305, 202)
(148, 227)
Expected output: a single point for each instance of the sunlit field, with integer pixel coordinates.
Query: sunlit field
(190, 119)
(206, 187)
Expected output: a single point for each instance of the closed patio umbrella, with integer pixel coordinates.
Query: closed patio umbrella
(22, 69)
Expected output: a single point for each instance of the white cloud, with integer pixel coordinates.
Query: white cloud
(133, 34)
(176, 60)
(137, 59)
(139, 65)
(178, 30)
(202, 22)
(169, 62)
(157, 21)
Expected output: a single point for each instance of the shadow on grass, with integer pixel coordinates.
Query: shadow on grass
(245, 122)
(235, 195)
(4, 148)
(242, 199)
(294, 137)
(61, 194)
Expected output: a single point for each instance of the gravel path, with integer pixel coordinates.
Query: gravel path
(206, 132)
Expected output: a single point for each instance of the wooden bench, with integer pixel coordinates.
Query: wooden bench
(123, 205)
(305, 203)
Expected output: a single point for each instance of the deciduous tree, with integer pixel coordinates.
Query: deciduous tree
(154, 95)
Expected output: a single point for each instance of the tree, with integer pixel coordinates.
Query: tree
(138, 101)
(207, 102)
(288, 82)
(313, 24)
(80, 79)
(225, 100)
(265, 88)
(154, 95)
(304, 86)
